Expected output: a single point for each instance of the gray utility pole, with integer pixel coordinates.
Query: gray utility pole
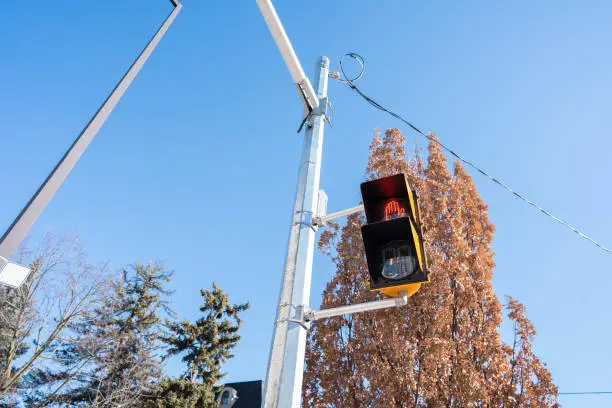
(30, 213)
(283, 387)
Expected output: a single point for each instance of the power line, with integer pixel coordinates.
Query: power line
(587, 393)
(350, 83)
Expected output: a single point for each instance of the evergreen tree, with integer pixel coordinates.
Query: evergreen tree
(113, 359)
(443, 349)
(204, 346)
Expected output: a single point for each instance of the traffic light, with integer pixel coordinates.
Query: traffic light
(392, 236)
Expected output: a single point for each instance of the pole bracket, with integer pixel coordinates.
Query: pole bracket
(325, 110)
(303, 88)
(324, 107)
(306, 219)
(299, 316)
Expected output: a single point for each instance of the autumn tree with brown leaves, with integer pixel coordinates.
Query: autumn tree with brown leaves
(444, 348)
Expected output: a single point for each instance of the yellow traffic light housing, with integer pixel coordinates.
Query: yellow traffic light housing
(392, 236)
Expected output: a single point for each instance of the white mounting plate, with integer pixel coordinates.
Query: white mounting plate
(12, 274)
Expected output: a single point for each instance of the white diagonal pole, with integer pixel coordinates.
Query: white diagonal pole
(18, 230)
(305, 89)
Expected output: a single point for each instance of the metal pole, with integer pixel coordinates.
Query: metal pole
(283, 386)
(30, 213)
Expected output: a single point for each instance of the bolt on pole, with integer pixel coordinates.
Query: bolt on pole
(20, 227)
(283, 387)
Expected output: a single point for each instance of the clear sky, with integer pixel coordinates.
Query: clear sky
(197, 165)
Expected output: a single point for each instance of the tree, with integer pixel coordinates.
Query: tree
(443, 349)
(59, 291)
(204, 346)
(34, 316)
(112, 359)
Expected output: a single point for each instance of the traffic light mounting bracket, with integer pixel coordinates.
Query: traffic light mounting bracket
(304, 316)
(320, 221)
(312, 315)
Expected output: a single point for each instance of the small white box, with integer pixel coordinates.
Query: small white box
(12, 274)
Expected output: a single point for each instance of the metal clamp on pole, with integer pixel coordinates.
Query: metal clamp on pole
(313, 315)
(299, 315)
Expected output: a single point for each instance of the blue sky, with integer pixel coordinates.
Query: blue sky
(197, 165)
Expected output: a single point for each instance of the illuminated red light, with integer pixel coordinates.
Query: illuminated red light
(393, 209)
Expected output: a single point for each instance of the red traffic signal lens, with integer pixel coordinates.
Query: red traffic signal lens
(393, 208)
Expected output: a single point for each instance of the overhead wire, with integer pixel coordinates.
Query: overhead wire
(350, 82)
(587, 393)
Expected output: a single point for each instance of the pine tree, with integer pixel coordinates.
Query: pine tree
(204, 346)
(443, 349)
(113, 359)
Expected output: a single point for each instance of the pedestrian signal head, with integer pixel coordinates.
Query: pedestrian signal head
(392, 236)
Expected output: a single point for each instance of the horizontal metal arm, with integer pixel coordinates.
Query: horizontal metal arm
(320, 221)
(361, 307)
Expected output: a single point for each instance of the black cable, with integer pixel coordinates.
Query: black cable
(350, 84)
(586, 393)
